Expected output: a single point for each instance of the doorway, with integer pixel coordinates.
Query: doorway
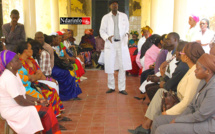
(101, 7)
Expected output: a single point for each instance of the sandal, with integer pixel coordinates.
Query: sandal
(62, 127)
(65, 119)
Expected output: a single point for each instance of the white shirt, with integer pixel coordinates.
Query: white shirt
(205, 39)
(192, 33)
(140, 43)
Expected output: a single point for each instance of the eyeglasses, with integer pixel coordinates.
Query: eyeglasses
(181, 53)
(202, 23)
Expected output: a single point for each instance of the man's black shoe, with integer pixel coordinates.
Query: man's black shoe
(123, 92)
(110, 91)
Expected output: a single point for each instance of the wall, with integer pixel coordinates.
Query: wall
(81, 8)
(145, 12)
(135, 16)
(8, 6)
(43, 16)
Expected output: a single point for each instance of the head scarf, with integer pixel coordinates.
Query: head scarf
(193, 51)
(147, 28)
(5, 57)
(196, 18)
(208, 61)
(134, 33)
(89, 31)
(59, 33)
(54, 33)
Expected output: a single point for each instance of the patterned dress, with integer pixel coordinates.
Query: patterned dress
(23, 73)
(50, 93)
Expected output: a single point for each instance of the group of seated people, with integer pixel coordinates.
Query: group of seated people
(32, 100)
(178, 78)
(46, 77)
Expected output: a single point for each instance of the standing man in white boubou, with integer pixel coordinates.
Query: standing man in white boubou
(115, 31)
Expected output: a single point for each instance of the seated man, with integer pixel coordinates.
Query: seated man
(166, 82)
(172, 41)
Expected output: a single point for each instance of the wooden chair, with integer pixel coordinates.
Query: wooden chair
(7, 129)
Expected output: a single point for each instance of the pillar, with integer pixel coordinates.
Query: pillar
(161, 19)
(145, 12)
(55, 23)
(181, 17)
(29, 17)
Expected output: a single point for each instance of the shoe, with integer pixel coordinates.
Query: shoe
(76, 98)
(123, 92)
(64, 119)
(102, 67)
(139, 130)
(135, 130)
(138, 98)
(110, 91)
(62, 127)
(98, 66)
(84, 78)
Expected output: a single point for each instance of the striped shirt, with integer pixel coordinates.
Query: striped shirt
(45, 63)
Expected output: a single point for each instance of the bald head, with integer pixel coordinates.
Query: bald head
(39, 37)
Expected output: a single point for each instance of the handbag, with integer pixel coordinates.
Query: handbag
(169, 99)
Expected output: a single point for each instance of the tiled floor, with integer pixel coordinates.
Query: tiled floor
(101, 113)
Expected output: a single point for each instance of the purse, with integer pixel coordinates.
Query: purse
(169, 99)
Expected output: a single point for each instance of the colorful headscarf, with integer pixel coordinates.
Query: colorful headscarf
(5, 57)
(196, 18)
(208, 61)
(134, 33)
(147, 28)
(59, 33)
(89, 31)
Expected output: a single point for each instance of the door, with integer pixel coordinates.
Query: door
(101, 7)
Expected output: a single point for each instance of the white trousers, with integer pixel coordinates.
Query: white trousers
(121, 73)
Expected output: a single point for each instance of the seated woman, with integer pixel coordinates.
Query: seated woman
(133, 52)
(133, 42)
(64, 73)
(88, 46)
(34, 73)
(77, 64)
(23, 113)
(185, 90)
(146, 32)
(198, 117)
(148, 43)
(23, 73)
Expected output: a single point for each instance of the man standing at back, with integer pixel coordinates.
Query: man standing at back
(14, 32)
(115, 31)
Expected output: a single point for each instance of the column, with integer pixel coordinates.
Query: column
(145, 12)
(55, 23)
(161, 19)
(29, 17)
(181, 17)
